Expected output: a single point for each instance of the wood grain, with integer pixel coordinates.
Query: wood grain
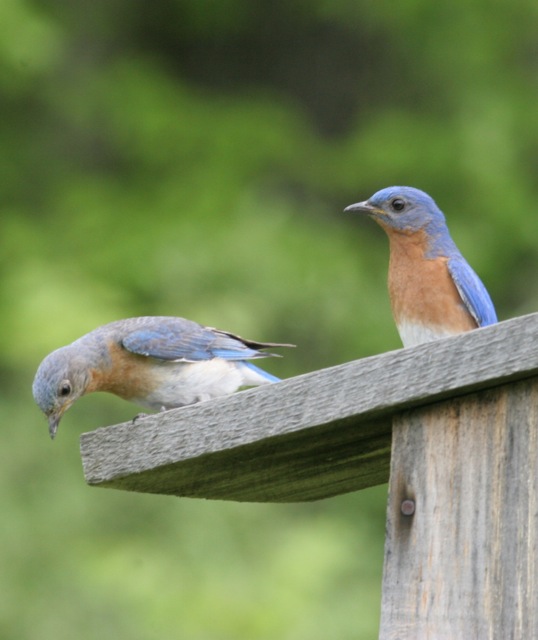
(465, 564)
(309, 437)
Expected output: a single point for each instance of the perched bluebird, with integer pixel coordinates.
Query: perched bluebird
(433, 291)
(157, 362)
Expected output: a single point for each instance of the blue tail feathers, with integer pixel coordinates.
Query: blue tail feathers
(268, 376)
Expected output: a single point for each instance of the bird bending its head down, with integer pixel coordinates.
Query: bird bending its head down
(157, 362)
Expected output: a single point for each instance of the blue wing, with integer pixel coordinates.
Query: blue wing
(473, 293)
(169, 338)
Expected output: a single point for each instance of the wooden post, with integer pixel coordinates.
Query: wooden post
(462, 562)
(460, 554)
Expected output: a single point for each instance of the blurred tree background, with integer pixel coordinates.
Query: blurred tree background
(192, 158)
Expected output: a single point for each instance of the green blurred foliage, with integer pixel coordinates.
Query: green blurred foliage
(192, 158)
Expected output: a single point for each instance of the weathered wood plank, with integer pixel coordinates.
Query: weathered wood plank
(465, 564)
(308, 437)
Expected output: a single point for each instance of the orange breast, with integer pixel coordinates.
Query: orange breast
(422, 290)
(128, 376)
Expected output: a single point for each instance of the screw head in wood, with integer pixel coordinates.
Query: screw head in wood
(407, 507)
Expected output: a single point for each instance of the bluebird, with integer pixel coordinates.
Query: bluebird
(157, 362)
(434, 293)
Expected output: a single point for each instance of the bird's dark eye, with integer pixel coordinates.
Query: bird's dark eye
(65, 388)
(398, 204)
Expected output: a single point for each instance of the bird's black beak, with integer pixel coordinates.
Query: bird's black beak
(54, 421)
(361, 207)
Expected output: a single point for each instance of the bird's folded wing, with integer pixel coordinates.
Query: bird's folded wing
(186, 342)
(472, 292)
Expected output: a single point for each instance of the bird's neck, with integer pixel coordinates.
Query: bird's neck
(408, 245)
(95, 358)
(430, 242)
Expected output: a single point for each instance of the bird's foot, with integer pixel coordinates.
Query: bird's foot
(139, 416)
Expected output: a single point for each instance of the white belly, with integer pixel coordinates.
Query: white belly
(181, 383)
(413, 333)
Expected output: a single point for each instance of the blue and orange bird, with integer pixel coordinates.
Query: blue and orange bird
(157, 362)
(433, 291)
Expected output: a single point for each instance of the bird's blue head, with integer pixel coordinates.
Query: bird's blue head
(404, 209)
(60, 380)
